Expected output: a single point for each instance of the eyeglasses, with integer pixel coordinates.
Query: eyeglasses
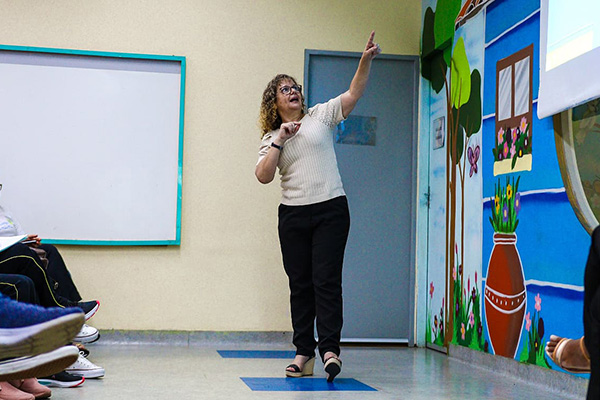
(288, 89)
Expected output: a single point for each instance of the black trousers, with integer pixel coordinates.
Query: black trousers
(20, 259)
(591, 314)
(313, 239)
(19, 288)
(58, 272)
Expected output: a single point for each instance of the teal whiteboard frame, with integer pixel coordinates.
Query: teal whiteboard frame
(178, 59)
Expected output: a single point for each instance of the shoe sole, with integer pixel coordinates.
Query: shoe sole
(87, 339)
(332, 367)
(60, 384)
(91, 313)
(40, 365)
(86, 374)
(40, 338)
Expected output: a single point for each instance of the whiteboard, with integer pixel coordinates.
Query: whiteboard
(91, 145)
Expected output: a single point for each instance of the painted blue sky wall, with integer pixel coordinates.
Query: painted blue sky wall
(553, 245)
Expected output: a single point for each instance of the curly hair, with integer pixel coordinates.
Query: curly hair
(269, 118)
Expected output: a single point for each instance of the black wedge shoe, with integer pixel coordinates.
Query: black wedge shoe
(298, 372)
(333, 367)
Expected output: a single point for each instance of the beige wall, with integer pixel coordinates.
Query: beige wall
(227, 274)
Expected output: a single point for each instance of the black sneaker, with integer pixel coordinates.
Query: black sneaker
(62, 379)
(89, 308)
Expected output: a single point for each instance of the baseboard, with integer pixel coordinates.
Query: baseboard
(558, 381)
(196, 338)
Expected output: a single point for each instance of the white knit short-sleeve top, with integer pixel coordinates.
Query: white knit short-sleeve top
(307, 164)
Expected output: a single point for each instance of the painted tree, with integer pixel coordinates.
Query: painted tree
(463, 110)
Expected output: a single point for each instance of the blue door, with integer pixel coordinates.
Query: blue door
(376, 152)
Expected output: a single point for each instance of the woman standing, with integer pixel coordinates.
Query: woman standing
(313, 214)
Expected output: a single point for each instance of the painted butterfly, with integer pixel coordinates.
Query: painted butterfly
(473, 155)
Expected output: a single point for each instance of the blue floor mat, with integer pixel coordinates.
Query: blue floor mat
(256, 354)
(305, 385)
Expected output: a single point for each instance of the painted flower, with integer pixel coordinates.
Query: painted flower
(475, 279)
(513, 149)
(505, 150)
(505, 213)
(520, 152)
(517, 202)
(479, 329)
(471, 319)
(454, 273)
(513, 135)
(528, 321)
(469, 284)
(460, 269)
(500, 135)
(497, 204)
(526, 142)
(431, 288)
(435, 321)
(473, 294)
(538, 303)
(442, 310)
(462, 330)
(457, 308)
(541, 328)
(523, 125)
(509, 192)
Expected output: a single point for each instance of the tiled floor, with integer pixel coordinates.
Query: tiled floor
(181, 372)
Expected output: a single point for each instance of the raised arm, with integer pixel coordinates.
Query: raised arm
(359, 82)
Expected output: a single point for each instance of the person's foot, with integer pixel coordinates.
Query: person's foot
(40, 365)
(9, 392)
(332, 365)
(87, 334)
(301, 366)
(89, 308)
(62, 380)
(33, 387)
(29, 330)
(569, 354)
(85, 368)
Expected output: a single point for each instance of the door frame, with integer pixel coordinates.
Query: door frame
(308, 53)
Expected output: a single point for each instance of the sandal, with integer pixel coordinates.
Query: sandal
(298, 372)
(333, 366)
(556, 356)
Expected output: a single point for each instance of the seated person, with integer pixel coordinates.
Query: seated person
(583, 355)
(56, 274)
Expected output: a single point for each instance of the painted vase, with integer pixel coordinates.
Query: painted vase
(505, 295)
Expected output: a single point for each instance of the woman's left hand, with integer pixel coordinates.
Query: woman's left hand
(371, 49)
(33, 240)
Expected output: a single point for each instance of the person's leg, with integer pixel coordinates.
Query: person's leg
(19, 288)
(592, 340)
(58, 271)
(26, 329)
(295, 239)
(591, 313)
(331, 223)
(19, 259)
(591, 279)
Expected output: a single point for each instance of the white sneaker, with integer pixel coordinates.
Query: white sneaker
(87, 334)
(86, 368)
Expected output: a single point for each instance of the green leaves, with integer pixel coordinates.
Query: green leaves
(460, 75)
(506, 206)
(443, 27)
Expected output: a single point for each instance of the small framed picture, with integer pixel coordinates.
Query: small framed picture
(438, 133)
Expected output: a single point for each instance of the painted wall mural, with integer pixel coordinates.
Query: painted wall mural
(507, 276)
